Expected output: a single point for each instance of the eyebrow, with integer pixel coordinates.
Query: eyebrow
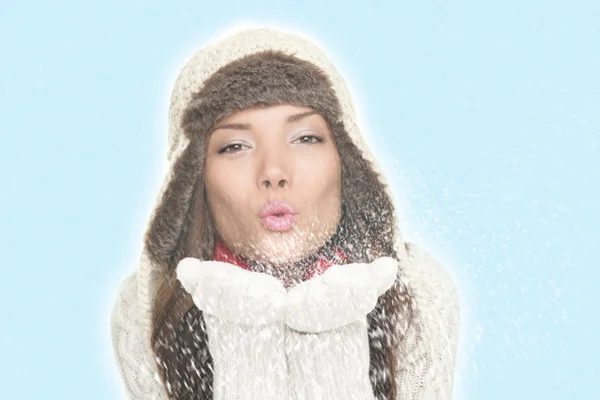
(297, 117)
(290, 120)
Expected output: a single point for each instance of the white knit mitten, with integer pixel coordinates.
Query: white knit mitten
(327, 342)
(243, 312)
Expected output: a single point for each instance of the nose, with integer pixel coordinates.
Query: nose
(275, 171)
(267, 183)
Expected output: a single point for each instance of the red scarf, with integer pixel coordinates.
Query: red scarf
(223, 254)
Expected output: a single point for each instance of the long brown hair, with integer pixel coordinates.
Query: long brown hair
(366, 232)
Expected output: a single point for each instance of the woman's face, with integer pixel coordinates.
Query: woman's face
(273, 182)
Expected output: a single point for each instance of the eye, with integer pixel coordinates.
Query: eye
(308, 139)
(231, 148)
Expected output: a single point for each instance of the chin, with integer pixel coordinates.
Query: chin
(284, 250)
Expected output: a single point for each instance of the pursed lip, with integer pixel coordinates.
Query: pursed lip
(273, 208)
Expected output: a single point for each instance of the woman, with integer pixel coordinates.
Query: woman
(272, 263)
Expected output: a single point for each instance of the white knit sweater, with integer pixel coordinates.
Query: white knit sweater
(427, 372)
(426, 367)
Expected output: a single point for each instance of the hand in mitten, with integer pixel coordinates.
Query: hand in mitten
(327, 340)
(243, 313)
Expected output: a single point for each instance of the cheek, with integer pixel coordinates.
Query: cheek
(333, 187)
(226, 190)
(323, 181)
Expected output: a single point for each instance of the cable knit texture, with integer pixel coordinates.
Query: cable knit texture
(243, 313)
(425, 368)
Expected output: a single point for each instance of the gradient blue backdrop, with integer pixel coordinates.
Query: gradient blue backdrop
(486, 117)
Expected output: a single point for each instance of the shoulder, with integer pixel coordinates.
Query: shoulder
(125, 316)
(430, 280)
(132, 354)
(436, 297)
(428, 356)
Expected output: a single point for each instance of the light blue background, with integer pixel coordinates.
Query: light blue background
(487, 118)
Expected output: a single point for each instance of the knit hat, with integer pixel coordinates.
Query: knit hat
(263, 78)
